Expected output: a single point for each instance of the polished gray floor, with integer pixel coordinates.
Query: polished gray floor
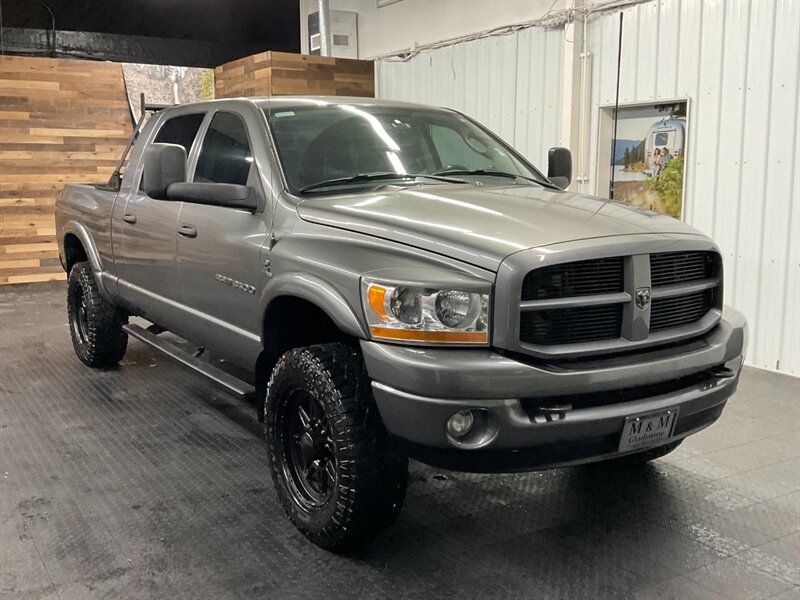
(149, 482)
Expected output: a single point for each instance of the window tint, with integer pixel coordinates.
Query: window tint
(457, 152)
(330, 141)
(225, 156)
(662, 139)
(180, 130)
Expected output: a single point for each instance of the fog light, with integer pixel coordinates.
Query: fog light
(460, 424)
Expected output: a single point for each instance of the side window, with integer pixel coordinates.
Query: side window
(456, 152)
(225, 156)
(180, 130)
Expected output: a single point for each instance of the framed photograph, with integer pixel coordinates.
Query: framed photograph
(643, 164)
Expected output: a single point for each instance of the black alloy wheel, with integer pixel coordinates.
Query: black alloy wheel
(338, 474)
(95, 323)
(80, 317)
(310, 468)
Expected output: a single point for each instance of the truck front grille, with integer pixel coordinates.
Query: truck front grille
(584, 278)
(617, 298)
(670, 268)
(571, 325)
(680, 310)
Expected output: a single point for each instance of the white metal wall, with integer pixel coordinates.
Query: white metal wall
(738, 63)
(511, 84)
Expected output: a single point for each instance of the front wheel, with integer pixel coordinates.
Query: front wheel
(95, 324)
(339, 475)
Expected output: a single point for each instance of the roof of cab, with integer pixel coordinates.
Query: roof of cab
(266, 101)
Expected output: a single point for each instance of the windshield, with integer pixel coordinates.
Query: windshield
(325, 142)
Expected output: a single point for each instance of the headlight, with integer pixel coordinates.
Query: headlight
(435, 316)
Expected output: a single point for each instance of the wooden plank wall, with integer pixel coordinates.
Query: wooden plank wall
(60, 121)
(284, 74)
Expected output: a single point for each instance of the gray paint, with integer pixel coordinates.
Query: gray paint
(517, 431)
(215, 288)
(494, 376)
(483, 225)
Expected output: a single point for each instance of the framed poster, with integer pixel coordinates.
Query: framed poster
(643, 164)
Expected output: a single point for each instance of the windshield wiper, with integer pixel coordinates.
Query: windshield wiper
(377, 177)
(493, 173)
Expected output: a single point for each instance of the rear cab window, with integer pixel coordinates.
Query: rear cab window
(180, 130)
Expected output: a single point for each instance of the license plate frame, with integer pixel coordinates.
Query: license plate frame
(646, 430)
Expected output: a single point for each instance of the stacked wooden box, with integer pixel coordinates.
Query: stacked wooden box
(60, 121)
(283, 74)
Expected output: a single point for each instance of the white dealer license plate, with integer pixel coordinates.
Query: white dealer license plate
(643, 431)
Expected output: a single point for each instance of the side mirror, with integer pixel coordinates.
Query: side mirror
(559, 166)
(215, 194)
(164, 164)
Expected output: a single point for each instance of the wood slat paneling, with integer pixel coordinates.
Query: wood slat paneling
(61, 121)
(283, 74)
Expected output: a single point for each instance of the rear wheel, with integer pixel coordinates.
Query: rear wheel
(339, 475)
(95, 324)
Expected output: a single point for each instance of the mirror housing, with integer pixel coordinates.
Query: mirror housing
(559, 166)
(215, 194)
(164, 164)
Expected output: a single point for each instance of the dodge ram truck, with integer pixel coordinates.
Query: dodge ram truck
(397, 282)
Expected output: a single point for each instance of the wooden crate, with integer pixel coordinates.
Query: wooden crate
(284, 74)
(61, 121)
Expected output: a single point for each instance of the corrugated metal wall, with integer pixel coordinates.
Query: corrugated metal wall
(511, 84)
(738, 62)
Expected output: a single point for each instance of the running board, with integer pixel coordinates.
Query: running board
(226, 380)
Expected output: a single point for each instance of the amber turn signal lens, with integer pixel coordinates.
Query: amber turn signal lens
(413, 335)
(377, 300)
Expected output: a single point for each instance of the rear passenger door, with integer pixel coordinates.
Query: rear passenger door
(218, 255)
(146, 231)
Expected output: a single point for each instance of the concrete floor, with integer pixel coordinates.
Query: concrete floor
(149, 482)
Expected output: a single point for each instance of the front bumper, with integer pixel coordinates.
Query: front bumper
(418, 389)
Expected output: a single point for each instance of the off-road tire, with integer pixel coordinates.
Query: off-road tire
(371, 469)
(640, 458)
(95, 324)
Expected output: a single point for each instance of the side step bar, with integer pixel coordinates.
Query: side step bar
(229, 382)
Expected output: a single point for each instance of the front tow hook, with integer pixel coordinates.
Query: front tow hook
(723, 372)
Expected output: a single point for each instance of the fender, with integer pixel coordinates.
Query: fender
(318, 292)
(79, 230)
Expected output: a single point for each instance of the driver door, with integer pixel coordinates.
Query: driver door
(219, 247)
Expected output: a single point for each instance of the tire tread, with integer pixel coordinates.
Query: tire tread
(373, 471)
(107, 341)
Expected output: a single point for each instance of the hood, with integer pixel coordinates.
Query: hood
(482, 225)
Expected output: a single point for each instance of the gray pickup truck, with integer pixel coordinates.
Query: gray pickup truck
(398, 282)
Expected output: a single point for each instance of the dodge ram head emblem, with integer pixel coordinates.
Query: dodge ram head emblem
(642, 297)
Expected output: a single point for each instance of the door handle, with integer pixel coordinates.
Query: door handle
(129, 218)
(187, 231)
